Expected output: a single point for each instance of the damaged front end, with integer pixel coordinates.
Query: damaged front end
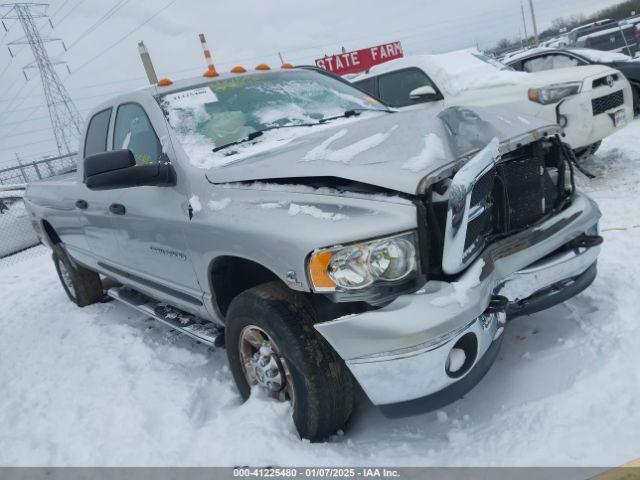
(501, 233)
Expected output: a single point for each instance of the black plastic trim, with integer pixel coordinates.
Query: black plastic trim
(553, 295)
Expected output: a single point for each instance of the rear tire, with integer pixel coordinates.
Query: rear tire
(82, 286)
(636, 100)
(320, 387)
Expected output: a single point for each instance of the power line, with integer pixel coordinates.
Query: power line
(121, 39)
(35, 130)
(13, 99)
(33, 119)
(73, 9)
(106, 16)
(88, 97)
(58, 9)
(13, 147)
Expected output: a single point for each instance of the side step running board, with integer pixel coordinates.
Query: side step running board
(201, 330)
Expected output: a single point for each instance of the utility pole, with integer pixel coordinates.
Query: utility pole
(533, 20)
(65, 119)
(524, 22)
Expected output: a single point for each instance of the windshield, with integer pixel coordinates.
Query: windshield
(229, 110)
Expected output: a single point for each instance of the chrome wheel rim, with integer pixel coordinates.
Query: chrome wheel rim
(263, 364)
(66, 278)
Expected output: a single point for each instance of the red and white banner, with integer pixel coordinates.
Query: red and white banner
(360, 60)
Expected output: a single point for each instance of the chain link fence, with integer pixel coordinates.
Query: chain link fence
(17, 236)
(16, 232)
(32, 172)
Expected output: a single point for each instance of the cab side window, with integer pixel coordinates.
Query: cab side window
(97, 131)
(395, 87)
(134, 131)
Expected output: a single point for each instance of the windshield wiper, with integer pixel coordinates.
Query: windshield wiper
(354, 113)
(248, 138)
(258, 133)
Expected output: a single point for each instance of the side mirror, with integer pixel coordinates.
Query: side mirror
(424, 91)
(118, 169)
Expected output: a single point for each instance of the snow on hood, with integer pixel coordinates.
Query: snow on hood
(389, 150)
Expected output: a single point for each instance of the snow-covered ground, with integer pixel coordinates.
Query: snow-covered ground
(104, 386)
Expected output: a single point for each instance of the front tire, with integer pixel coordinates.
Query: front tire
(271, 343)
(82, 286)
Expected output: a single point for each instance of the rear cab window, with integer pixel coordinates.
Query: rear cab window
(97, 133)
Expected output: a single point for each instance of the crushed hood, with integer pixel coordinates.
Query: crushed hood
(389, 150)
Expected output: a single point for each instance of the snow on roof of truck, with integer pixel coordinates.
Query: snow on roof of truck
(454, 72)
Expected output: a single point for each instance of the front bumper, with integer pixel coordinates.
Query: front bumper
(583, 127)
(399, 353)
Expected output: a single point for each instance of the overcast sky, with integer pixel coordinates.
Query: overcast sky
(244, 32)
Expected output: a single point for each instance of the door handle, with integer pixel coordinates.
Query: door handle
(82, 204)
(117, 209)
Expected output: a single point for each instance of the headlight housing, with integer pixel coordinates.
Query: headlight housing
(359, 265)
(554, 93)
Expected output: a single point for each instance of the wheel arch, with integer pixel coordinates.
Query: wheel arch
(231, 275)
(50, 235)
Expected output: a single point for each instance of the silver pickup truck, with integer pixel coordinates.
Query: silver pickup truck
(327, 241)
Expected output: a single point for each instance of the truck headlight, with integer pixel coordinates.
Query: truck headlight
(554, 93)
(359, 265)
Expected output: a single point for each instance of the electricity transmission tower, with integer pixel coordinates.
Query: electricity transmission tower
(65, 119)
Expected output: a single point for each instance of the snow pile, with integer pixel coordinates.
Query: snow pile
(194, 201)
(219, 204)
(271, 205)
(346, 154)
(460, 289)
(315, 212)
(464, 70)
(456, 359)
(433, 151)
